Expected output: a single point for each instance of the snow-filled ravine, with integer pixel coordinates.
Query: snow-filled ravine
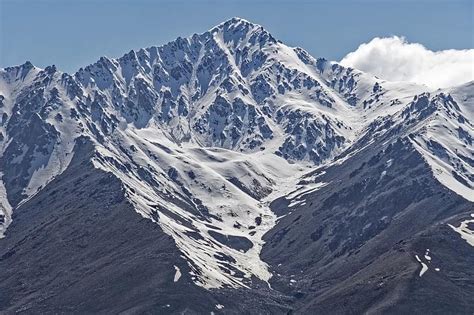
(214, 202)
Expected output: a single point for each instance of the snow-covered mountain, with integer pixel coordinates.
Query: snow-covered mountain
(205, 133)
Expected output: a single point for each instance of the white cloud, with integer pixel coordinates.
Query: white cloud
(394, 59)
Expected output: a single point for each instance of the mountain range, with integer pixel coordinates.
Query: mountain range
(227, 172)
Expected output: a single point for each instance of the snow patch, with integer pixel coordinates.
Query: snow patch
(464, 231)
(5, 209)
(177, 274)
(424, 267)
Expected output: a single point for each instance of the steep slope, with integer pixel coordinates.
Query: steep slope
(78, 247)
(376, 230)
(37, 132)
(198, 137)
(232, 87)
(151, 115)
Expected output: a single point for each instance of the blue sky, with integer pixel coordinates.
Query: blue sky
(71, 34)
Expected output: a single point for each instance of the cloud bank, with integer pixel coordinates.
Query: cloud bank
(394, 59)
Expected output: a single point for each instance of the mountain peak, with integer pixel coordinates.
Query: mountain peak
(25, 66)
(250, 173)
(237, 21)
(237, 29)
